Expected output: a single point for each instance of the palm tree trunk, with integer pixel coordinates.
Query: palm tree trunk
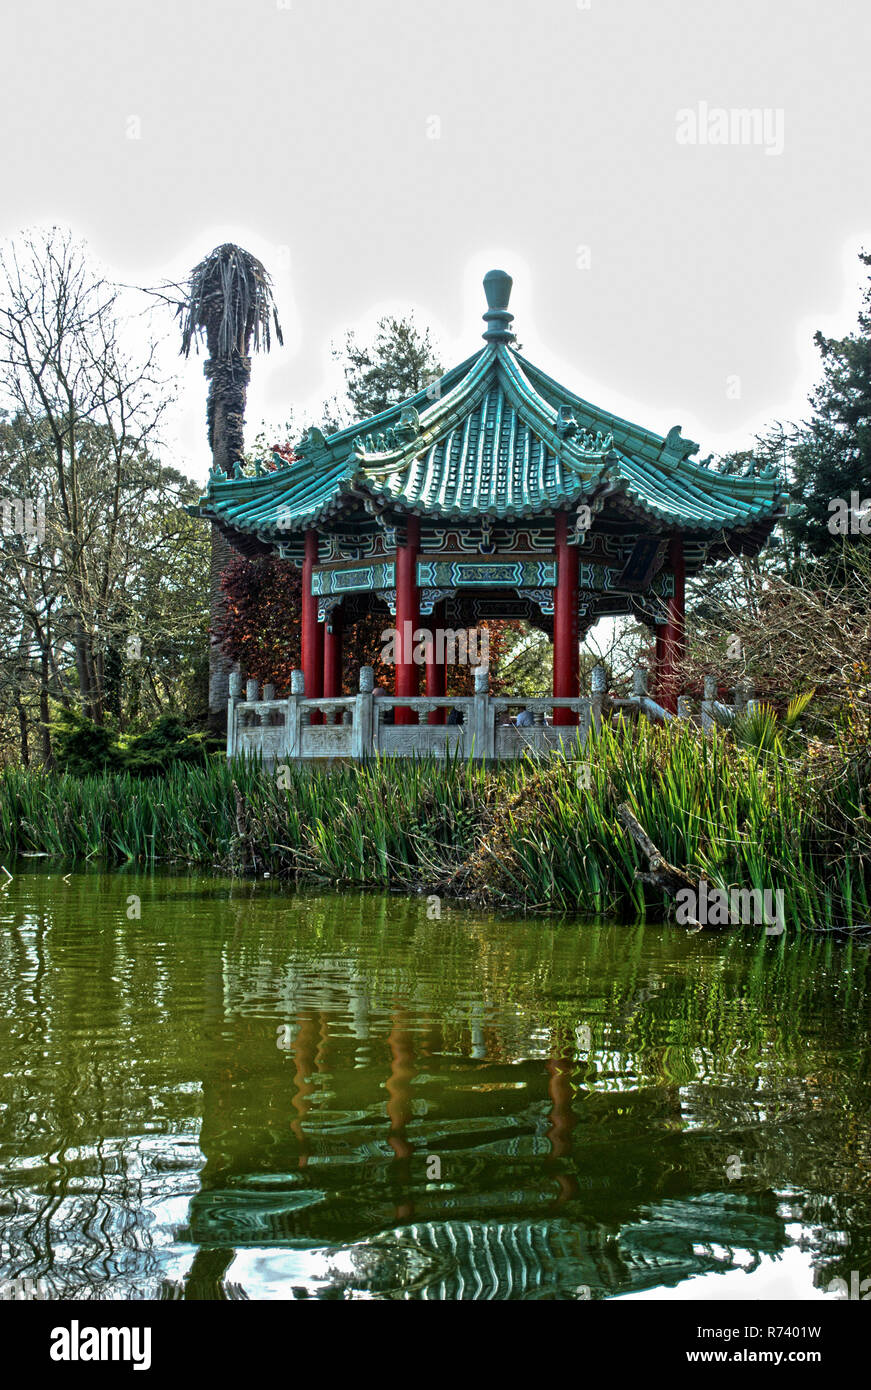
(228, 389)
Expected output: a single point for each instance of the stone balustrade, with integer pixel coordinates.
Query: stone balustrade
(483, 726)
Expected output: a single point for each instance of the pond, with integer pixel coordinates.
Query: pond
(217, 1089)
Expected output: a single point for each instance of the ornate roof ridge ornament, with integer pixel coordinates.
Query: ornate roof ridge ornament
(313, 441)
(566, 424)
(596, 446)
(497, 288)
(409, 423)
(676, 447)
(384, 441)
(390, 438)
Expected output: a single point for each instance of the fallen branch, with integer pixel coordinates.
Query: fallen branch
(660, 874)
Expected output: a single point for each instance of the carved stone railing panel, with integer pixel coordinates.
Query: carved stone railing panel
(512, 742)
(327, 741)
(422, 740)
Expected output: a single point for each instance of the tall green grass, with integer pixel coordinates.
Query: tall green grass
(528, 834)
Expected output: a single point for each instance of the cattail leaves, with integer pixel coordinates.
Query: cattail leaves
(533, 834)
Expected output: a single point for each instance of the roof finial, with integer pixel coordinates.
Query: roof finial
(497, 287)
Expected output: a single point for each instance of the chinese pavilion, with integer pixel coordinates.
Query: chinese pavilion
(494, 493)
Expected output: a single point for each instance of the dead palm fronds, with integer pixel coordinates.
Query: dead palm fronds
(229, 301)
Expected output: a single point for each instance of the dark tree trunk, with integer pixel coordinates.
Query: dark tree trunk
(47, 755)
(22, 732)
(225, 415)
(82, 669)
(86, 670)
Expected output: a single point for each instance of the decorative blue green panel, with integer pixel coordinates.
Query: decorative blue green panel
(598, 578)
(359, 580)
(663, 584)
(454, 541)
(490, 574)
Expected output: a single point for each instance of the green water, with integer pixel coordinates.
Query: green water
(245, 1093)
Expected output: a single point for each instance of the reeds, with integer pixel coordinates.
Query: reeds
(541, 836)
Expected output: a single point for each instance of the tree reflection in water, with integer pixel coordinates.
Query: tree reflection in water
(238, 1094)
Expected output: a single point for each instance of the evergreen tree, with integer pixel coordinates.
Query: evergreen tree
(400, 362)
(832, 456)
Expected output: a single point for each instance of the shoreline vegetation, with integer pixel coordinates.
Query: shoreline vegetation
(531, 835)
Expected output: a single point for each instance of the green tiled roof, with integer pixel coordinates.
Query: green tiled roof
(497, 438)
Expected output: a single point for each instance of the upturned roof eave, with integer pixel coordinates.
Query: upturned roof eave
(358, 480)
(675, 462)
(606, 417)
(664, 518)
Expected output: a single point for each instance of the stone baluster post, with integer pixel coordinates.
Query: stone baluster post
(257, 719)
(362, 737)
(293, 716)
(268, 715)
(483, 729)
(708, 702)
(598, 686)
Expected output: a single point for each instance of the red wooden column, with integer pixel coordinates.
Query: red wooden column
(312, 632)
(566, 658)
(319, 665)
(407, 618)
(333, 633)
(673, 638)
(437, 671)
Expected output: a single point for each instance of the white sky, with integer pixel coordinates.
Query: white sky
(301, 130)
